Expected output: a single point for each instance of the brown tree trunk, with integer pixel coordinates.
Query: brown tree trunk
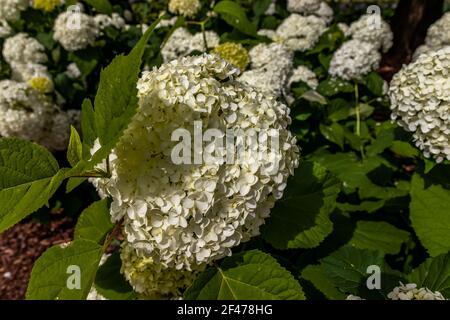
(409, 25)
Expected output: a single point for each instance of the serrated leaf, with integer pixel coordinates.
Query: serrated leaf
(29, 176)
(378, 236)
(434, 274)
(315, 274)
(404, 149)
(364, 206)
(347, 268)
(235, 15)
(334, 133)
(52, 272)
(75, 149)
(301, 218)
(429, 213)
(338, 109)
(251, 275)
(94, 222)
(110, 283)
(375, 83)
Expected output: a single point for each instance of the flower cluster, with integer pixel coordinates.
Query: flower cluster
(10, 9)
(376, 32)
(115, 20)
(437, 36)
(185, 215)
(303, 6)
(297, 32)
(27, 114)
(187, 8)
(75, 30)
(354, 59)
(182, 42)
(234, 53)
(46, 5)
(270, 67)
(410, 291)
(420, 102)
(304, 74)
(153, 280)
(361, 55)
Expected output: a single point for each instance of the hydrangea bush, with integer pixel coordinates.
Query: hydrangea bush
(240, 140)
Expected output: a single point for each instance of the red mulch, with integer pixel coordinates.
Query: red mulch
(21, 245)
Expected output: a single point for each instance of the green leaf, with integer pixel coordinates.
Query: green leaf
(314, 96)
(110, 283)
(364, 206)
(434, 274)
(404, 149)
(333, 133)
(260, 7)
(331, 87)
(86, 60)
(301, 218)
(429, 213)
(115, 104)
(347, 268)
(29, 176)
(235, 15)
(54, 272)
(365, 110)
(94, 222)
(375, 83)
(339, 109)
(378, 236)
(75, 149)
(250, 275)
(102, 6)
(315, 274)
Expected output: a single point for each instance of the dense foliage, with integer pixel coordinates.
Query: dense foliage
(366, 191)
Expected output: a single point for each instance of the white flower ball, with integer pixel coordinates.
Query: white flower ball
(420, 102)
(23, 49)
(300, 33)
(10, 9)
(75, 30)
(187, 8)
(303, 73)
(439, 33)
(379, 35)
(354, 59)
(270, 67)
(185, 215)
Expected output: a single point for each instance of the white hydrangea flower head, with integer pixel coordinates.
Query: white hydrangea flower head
(300, 33)
(25, 113)
(75, 30)
(420, 102)
(23, 49)
(115, 20)
(25, 72)
(354, 59)
(187, 8)
(303, 6)
(186, 215)
(325, 12)
(164, 23)
(380, 36)
(438, 34)
(10, 9)
(271, 65)
(152, 280)
(182, 43)
(303, 73)
(410, 291)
